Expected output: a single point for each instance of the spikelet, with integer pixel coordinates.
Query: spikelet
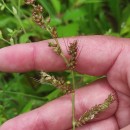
(56, 48)
(37, 15)
(59, 83)
(95, 111)
(54, 32)
(72, 51)
(29, 1)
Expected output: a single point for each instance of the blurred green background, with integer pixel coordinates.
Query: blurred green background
(19, 92)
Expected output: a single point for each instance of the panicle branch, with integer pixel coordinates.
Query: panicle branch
(59, 82)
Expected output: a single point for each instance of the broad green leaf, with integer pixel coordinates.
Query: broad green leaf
(25, 37)
(68, 30)
(74, 15)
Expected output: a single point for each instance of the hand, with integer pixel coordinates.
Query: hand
(100, 55)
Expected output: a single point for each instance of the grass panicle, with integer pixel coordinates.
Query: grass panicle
(39, 19)
(71, 64)
(95, 111)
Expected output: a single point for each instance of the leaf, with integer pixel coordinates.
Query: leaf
(125, 27)
(2, 7)
(55, 21)
(115, 8)
(25, 37)
(1, 36)
(45, 88)
(57, 5)
(56, 93)
(68, 30)
(27, 107)
(79, 2)
(9, 30)
(74, 15)
(11, 40)
(48, 7)
(6, 20)
(14, 10)
(88, 79)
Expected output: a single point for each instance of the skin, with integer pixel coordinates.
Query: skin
(99, 55)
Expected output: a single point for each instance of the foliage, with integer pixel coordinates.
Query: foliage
(19, 93)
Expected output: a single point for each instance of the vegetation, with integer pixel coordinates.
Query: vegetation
(71, 18)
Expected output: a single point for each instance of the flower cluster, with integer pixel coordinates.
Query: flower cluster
(95, 111)
(59, 83)
(72, 51)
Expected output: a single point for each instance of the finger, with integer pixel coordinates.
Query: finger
(107, 124)
(126, 128)
(57, 115)
(123, 112)
(98, 53)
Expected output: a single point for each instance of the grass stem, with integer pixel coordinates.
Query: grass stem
(73, 100)
(23, 94)
(5, 40)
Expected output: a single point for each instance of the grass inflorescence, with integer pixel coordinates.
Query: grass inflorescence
(71, 62)
(95, 111)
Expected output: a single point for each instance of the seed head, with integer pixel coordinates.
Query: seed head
(54, 32)
(48, 20)
(95, 111)
(38, 18)
(55, 48)
(38, 8)
(72, 51)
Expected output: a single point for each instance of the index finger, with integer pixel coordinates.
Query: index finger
(98, 53)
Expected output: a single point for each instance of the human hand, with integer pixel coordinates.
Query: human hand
(100, 55)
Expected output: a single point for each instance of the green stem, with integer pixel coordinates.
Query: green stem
(7, 7)
(73, 100)
(23, 94)
(17, 16)
(5, 40)
(19, 2)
